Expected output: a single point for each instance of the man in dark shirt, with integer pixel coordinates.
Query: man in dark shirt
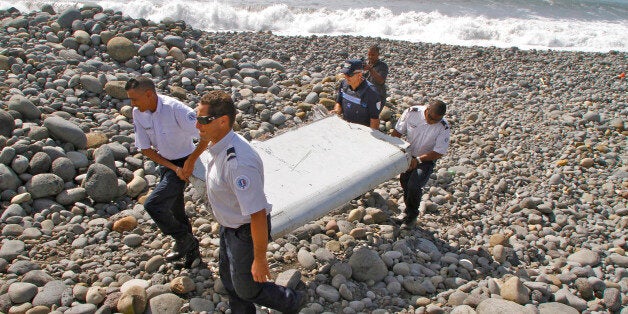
(357, 99)
(376, 71)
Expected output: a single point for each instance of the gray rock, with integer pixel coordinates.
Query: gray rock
(64, 168)
(556, 307)
(270, 64)
(21, 292)
(8, 179)
(6, 156)
(612, 299)
(78, 159)
(7, 124)
(289, 278)
(462, 309)
(37, 277)
(584, 257)
(430, 248)
(24, 106)
(104, 155)
(565, 296)
(66, 131)
(116, 89)
(340, 268)
(413, 286)
(20, 164)
(311, 98)
(44, 184)
(22, 267)
(98, 183)
(91, 84)
(71, 196)
(201, 305)
(82, 309)
(154, 263)
(499, 306)
(67, 17)
(167, 303)
(306, 259)
(40, 163)
(50, 294)
(592, 117)
(121, 49)
(175, 41)
(119, 151)
(132, 240)
(619, 260)
(367, 265)
(328, 292)
(146, 50)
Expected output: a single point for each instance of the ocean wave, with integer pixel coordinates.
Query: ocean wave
(526, 31)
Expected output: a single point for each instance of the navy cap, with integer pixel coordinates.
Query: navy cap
(351, 66)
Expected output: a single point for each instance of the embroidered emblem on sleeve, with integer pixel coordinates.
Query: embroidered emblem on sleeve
(242, 182)
(192, 116)
(379, 105)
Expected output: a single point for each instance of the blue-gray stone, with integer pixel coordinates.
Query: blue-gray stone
(50, 294)
(176, 41)
(8, 179)
(67, 17)
(99, 182)
(24, 106)
(66, 131)
(44, 184)
(11, 249)
(7, 124)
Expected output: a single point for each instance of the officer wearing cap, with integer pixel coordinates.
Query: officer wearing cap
(357, 99)
(428, 134)
(164, 128)
(235, 189)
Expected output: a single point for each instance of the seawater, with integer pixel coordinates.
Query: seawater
(581, 25)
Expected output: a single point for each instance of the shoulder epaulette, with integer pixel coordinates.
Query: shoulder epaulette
(231, 153)
(414, 109)
(444, 124)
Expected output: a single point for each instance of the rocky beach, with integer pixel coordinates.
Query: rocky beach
(526, 214)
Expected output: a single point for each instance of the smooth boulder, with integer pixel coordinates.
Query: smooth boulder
(99, 183)
(66, 131)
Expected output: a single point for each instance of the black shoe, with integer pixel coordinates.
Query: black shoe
(302, 298)
(193, 258)
(409, 222)
(173, 256)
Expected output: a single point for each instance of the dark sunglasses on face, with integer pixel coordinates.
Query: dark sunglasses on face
(206, 119)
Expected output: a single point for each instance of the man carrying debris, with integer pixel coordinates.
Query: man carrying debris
(428, 134)
(235, 189)
(164, 128)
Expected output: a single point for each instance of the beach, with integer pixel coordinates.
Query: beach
(526, 213)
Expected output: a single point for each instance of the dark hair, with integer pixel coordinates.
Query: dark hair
(220, 104)
(375, 47)
(141, 83)
(438, 106)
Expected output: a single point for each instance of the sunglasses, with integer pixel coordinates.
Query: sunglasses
(207, 119)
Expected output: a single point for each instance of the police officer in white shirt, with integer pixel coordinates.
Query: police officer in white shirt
(164, 128)
(235, 189)
(428, 134)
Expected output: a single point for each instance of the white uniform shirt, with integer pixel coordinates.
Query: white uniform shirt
(235, 181)
(169, 130)
(423, 137)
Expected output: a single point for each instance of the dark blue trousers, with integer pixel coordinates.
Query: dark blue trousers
(236, 258)
(412, 182)
(165, 204)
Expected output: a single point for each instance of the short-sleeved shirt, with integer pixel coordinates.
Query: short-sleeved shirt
(382, 69)
(359, 105)
(235, 181)
(169, 130)
(423, 137)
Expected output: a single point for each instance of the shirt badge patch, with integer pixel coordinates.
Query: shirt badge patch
(242, 182)
(192, 116)
(379, 105)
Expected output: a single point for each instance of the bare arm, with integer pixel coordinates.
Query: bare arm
(259, 233)
(154, 156)
(188, 167)
(376, 76)
(374, 124)
(337, 109)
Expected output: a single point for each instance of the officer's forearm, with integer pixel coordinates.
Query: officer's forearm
(338, 108)
(259, 233)
(154, 156)
(375, 124)
(396, 133)
(430, 156)
(376, 77)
